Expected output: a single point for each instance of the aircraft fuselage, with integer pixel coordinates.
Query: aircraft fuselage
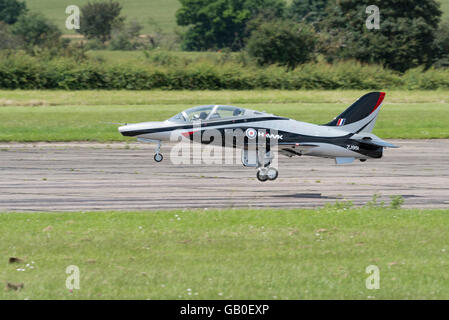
(327, 141)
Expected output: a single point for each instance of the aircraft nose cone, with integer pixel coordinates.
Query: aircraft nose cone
(136, 129)
(126, 129)
(122, 129)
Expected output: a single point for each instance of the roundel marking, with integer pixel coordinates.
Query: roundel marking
(251, 133)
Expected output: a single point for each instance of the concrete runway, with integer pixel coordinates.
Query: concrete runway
(90, 176)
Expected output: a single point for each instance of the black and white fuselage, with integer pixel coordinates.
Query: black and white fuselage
(346, 138)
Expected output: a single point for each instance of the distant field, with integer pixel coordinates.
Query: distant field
(86, 115)
(228, 254)
(445, 8)
(161, 11)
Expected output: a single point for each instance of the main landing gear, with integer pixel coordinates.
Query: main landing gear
(261, 160)
(264, 174)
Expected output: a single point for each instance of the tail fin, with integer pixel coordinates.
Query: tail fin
(361, 115)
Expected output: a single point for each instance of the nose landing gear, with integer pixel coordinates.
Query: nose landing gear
(158, 156)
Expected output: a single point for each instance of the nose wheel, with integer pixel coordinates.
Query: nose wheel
(264, 174)
(158, 157)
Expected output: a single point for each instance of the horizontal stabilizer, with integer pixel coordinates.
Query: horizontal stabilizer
(379, 143)
(369, 138)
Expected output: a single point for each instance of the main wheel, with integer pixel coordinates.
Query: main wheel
(262, 175)
(272, 174)
(158, 157)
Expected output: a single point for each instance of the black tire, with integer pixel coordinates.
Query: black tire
(275, 176)
(158, 157)
(261, 177)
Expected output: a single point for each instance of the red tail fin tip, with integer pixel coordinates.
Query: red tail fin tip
(381, 99)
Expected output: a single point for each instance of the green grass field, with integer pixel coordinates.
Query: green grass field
(86, 115)
(228, 254)
(161, 11)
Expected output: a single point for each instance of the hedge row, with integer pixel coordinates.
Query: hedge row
(31, 73)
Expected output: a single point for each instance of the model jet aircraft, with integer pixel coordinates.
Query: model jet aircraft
(346, 138)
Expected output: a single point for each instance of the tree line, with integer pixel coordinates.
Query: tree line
(410, 32)
(102, 23)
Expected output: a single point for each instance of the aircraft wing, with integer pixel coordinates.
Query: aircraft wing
(295, 149)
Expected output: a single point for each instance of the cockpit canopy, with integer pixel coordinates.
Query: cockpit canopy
(212, 112)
